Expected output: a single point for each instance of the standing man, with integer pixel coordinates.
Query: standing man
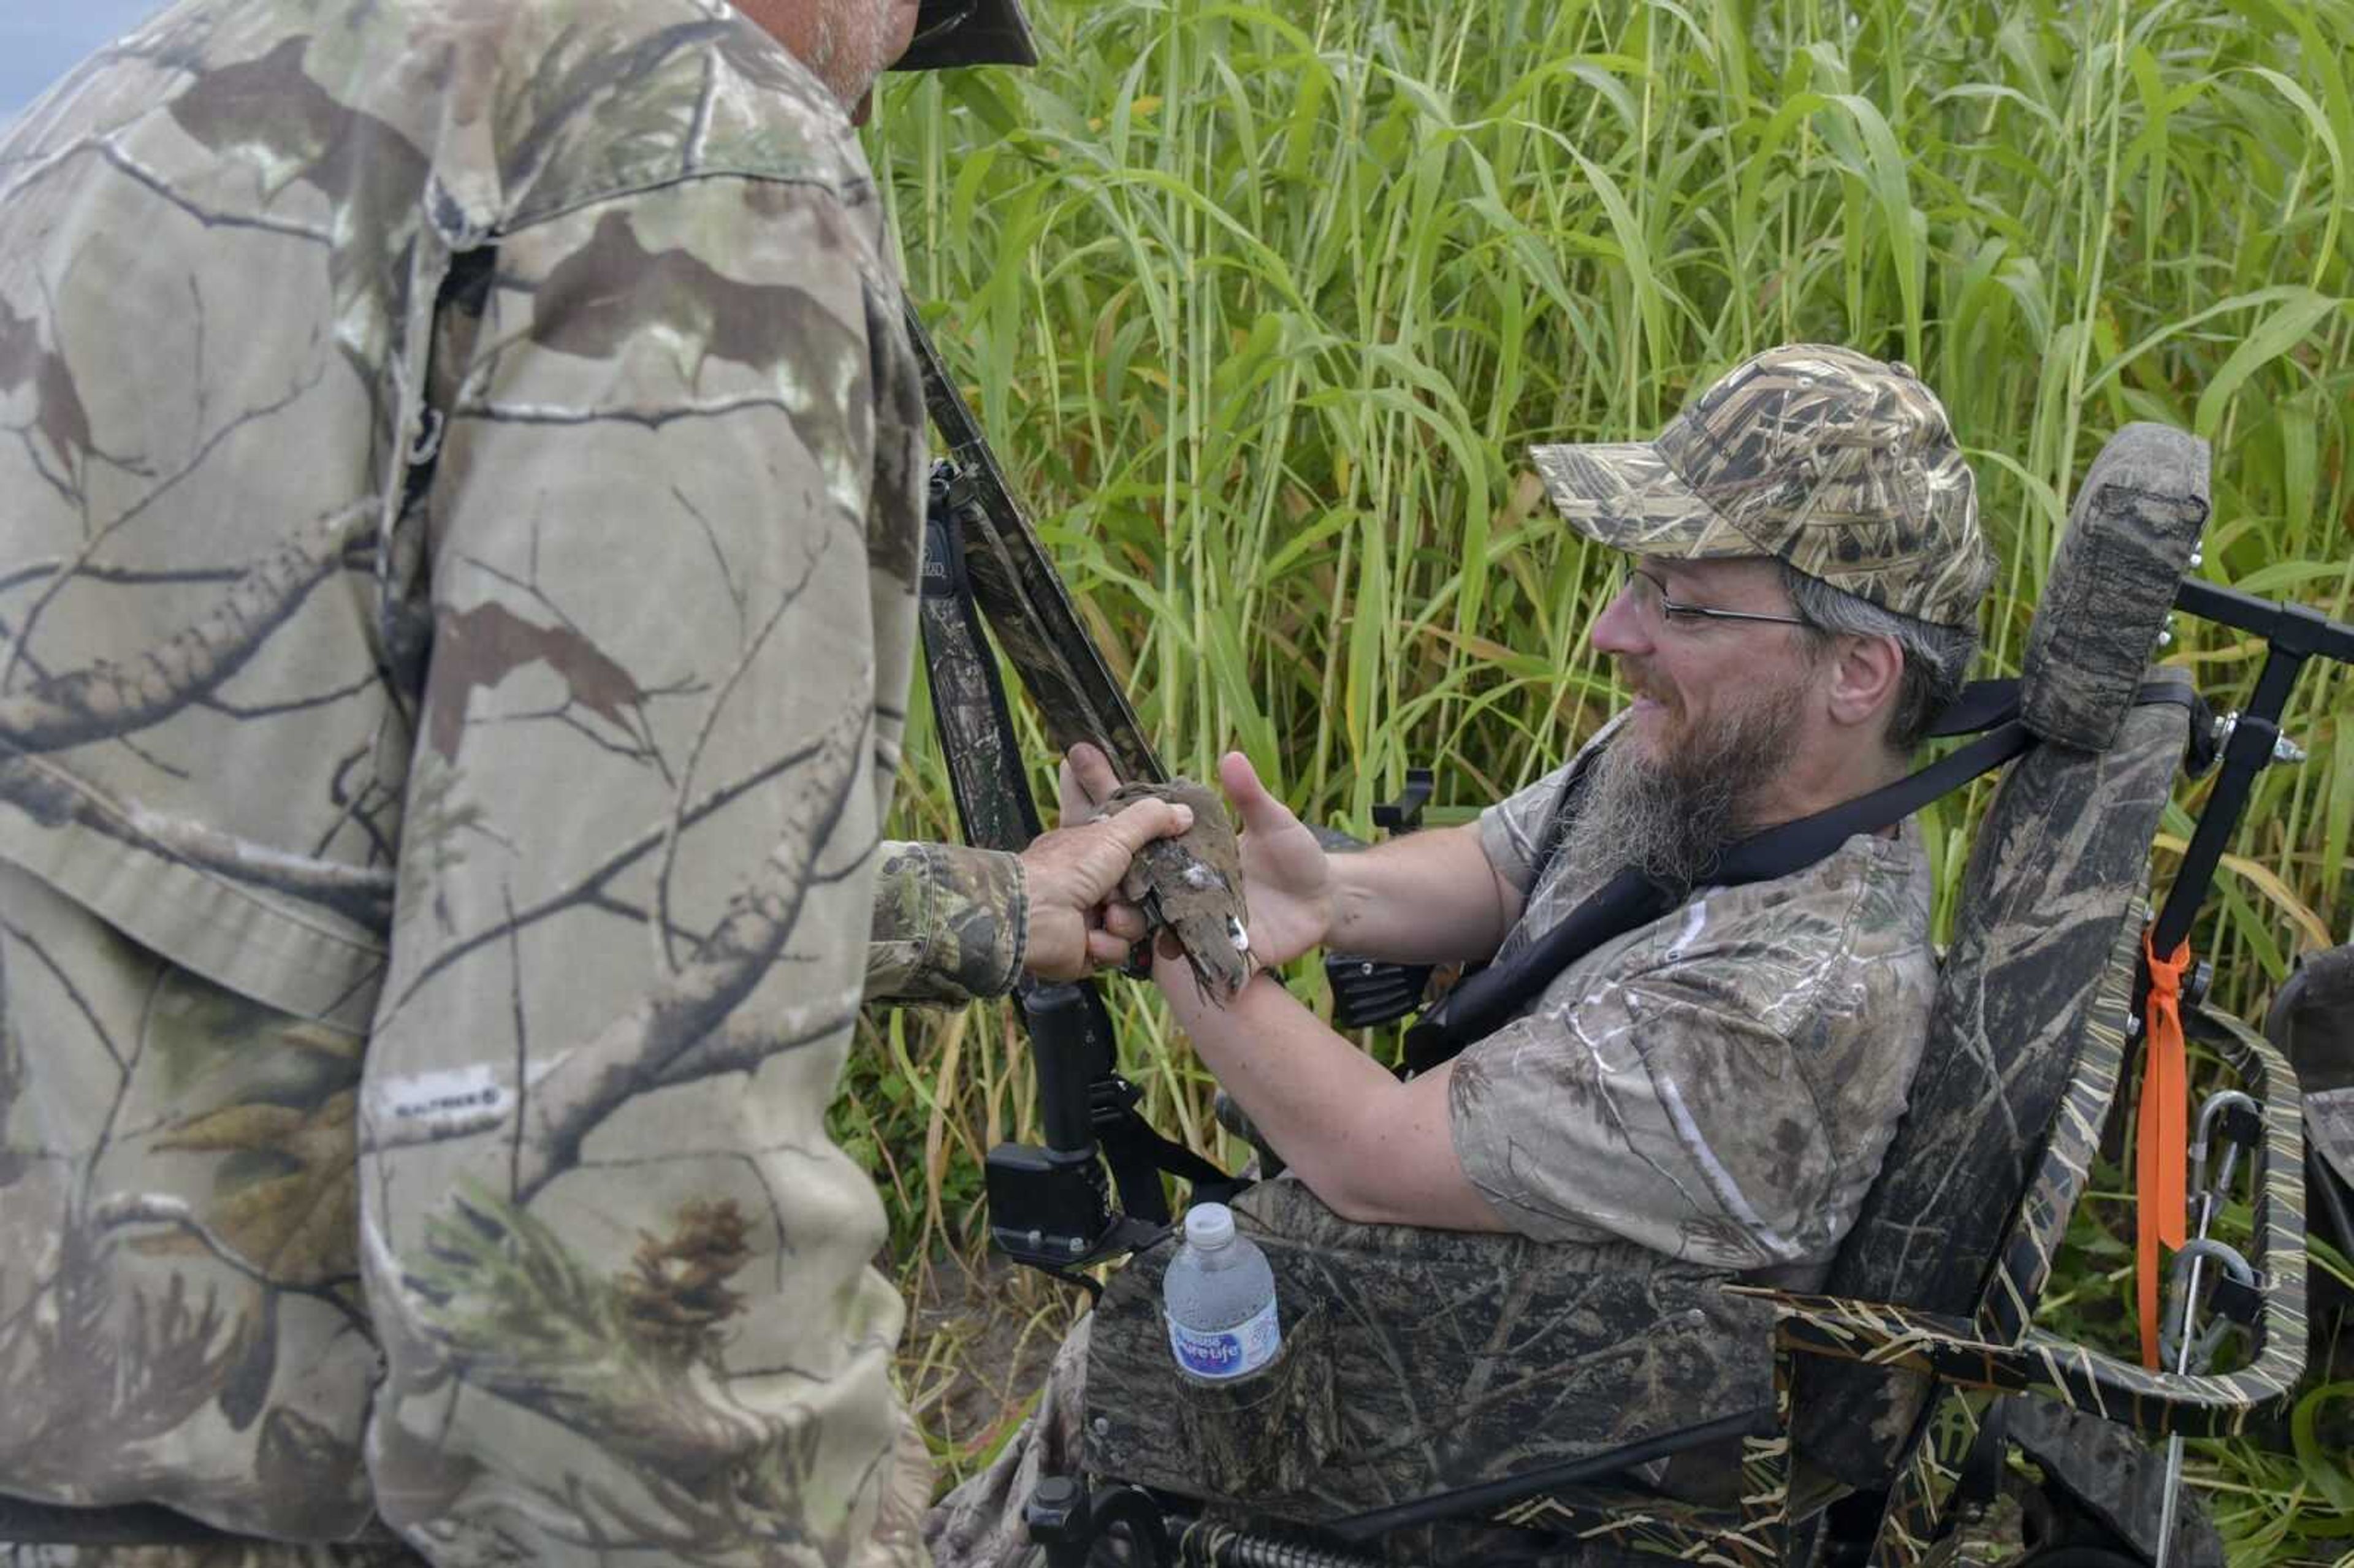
(460, 511)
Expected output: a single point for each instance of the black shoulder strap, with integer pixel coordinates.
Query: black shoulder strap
(1490, 999)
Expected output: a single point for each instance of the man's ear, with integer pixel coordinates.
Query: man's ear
(1864, 675)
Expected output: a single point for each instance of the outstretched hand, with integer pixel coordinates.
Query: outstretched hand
(1286, 881)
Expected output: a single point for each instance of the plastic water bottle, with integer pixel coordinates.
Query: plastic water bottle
(1220, 1297)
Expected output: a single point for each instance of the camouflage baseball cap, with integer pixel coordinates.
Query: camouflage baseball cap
(1837, 463)
(967, 32)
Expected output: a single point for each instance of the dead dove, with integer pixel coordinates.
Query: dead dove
(1193, 886)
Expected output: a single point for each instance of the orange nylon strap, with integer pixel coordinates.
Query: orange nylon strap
(2162, 1138)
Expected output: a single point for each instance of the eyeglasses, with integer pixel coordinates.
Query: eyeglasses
(1652, 599)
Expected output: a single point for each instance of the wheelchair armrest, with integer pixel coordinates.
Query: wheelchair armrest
(1955, 1350)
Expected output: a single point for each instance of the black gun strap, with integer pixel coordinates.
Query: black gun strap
(1136, 1155)
(985, 771)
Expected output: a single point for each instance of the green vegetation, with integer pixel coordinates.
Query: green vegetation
(1263, 302)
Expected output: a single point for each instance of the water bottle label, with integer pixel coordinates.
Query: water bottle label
(1230, 1352)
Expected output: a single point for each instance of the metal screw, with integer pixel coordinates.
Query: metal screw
(1078, 1246)
(2287, 750)
(1103, 1425)
(2197, 556)
(2166, 633)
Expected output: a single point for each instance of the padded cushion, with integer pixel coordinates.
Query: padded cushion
(2130, 537)
(2054, 875)
(1451, 1358)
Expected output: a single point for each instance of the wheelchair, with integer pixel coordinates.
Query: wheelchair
(1450, 1398)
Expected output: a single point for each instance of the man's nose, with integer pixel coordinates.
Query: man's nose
(1619, 628)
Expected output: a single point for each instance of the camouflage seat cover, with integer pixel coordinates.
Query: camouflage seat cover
(1418, 1362)
(2054, 875)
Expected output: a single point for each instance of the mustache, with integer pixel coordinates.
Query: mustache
(1635, 674)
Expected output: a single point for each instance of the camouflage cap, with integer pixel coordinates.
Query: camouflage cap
(969, 33)
(1837, 463)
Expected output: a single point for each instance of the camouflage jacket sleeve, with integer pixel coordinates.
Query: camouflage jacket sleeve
(949, 924)
(619, 1272)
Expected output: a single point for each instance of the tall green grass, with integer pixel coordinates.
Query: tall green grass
(1262, 304)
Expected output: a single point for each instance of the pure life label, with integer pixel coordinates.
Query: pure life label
(1230, 1352)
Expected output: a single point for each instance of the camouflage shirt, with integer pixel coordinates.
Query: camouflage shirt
(1718, 1086)
(461, 477)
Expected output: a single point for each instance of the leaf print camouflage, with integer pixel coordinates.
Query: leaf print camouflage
(456, 604)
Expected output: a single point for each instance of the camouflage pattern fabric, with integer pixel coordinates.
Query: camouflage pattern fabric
(1834, 462)
(2137, 518)
(979, 1524)
(2056, 865)
(1717, 1085)
(457, 594)
(1450, 1358)
(2055, 871)
(1430, 1359)
(226, 1554)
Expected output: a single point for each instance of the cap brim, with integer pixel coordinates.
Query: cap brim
(1624, 494)
(970, 33)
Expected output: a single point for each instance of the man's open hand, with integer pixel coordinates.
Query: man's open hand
(1286, 881)
(1078, 925)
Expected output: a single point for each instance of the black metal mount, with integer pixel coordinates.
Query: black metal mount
(2252, 738)
(1052, 1208)
(1370, 993)
(1068, 1519)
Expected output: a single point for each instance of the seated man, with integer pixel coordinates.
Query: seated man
(1718, 1086)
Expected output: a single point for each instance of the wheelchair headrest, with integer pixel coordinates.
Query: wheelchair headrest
(2130, 536)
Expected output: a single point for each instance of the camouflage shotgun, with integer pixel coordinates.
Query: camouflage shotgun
(1049, 1207)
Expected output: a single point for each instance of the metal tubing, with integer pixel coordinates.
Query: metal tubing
(2209, 1109)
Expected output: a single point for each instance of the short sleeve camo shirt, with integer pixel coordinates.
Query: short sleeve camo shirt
(1718, 1086)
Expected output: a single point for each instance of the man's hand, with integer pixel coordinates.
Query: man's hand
(1077, 927)
(1286, 880)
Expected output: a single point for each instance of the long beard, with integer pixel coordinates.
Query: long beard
(1673, 817)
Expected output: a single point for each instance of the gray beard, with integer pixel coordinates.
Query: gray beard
(1673, 819)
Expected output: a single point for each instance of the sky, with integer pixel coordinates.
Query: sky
(39, 39)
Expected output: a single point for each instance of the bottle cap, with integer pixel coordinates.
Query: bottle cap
(1209, 1226)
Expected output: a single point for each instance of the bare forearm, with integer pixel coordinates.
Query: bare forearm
(1372, 1149)
(1427, 897)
